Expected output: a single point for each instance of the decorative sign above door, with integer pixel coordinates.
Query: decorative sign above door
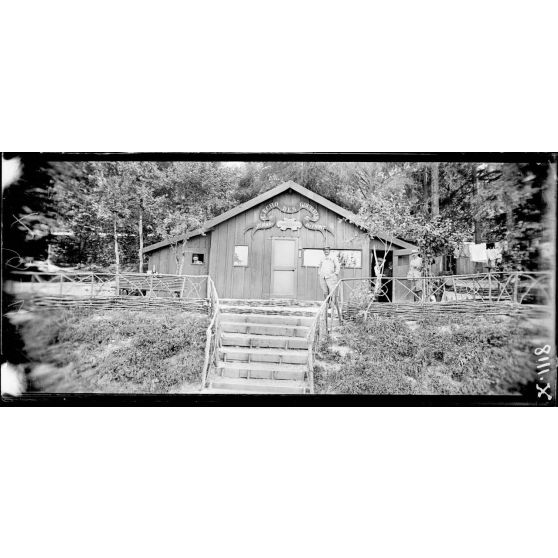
(289, 223)
(268, 221)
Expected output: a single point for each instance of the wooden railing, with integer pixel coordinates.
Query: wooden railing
(320, 325)
(92, 284)
(516, 287)
(213, 332)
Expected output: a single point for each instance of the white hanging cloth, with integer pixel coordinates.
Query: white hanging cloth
(478, 252)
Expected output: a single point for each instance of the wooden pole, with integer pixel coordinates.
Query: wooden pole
(140, 233)
(454, 287)
(116, 256)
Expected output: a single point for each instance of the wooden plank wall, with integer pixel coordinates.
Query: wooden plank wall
(254, 280)
(164, 262)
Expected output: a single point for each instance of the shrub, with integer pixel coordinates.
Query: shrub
(442, 355)
(148, 351)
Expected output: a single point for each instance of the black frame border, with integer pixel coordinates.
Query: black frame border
(256, 400)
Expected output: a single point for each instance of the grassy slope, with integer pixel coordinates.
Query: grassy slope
(449, 356)
(151, 351)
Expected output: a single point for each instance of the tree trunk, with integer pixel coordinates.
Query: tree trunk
(116, 255)
(179, 252)
(82, 251)
(182, 257)
(116, 250)
(476, 222)
(49, 253)
(425, 190)
(140, 231)
(509, 221)
(435, 189)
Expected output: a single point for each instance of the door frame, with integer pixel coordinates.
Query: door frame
(400, 293)
(284, 268)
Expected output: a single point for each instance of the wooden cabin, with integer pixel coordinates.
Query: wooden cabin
(270, 247)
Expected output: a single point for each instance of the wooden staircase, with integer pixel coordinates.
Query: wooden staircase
(263, 347)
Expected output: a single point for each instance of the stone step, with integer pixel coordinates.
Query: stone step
(237, 385)
(304, 311)
(267, 319)
(265, 329)
(277, 302)
(245, 354)
(269, 341)
(261, 370)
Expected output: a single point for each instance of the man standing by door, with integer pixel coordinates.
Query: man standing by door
(328, 273)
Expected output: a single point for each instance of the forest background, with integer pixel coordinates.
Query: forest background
(100, 215)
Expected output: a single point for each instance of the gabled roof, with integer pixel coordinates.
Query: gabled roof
(212, 223)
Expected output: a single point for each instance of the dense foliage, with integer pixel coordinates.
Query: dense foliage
(103, 213)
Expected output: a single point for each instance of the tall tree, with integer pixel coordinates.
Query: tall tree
(435, 189)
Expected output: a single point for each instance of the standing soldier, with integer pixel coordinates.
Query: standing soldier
(328, 273)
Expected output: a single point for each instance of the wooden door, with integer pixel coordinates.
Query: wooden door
(284, 267)
(401, 287)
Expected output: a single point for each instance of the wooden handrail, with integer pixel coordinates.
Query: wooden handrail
(208, 334)
(313, 335)
(213, 330)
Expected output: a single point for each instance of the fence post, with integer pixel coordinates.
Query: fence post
(489, 286)
(183, 287)
(150, 285)
(92, 283)
(61, 283)
(515, 287)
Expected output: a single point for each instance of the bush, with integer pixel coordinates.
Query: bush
(147, 351)
(441, 355)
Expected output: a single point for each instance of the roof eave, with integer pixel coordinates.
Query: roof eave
(198, 232)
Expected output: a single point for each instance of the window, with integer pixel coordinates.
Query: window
(403, 260)
(198, 259)
(240, 256)
(347, 258)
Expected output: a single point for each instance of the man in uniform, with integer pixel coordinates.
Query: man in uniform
(328, 273)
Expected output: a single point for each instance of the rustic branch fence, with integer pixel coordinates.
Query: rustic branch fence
(487, 293)
(109, 290)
